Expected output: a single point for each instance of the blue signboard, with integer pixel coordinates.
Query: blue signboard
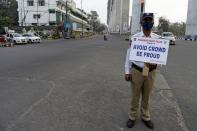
(67, 25)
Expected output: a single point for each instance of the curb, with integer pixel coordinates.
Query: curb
(171, 108)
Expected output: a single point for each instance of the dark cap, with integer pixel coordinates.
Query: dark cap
(147, 15)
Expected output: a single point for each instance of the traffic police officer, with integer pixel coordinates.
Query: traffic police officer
(141, 85)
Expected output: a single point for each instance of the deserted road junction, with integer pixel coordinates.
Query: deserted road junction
(78, 85)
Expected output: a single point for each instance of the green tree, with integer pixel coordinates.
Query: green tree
(9, 14)
(5, 21)
(13, 13)
(101, 27)
(177, 28)
(163, 25)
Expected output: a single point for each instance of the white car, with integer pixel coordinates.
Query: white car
(16, 38)
(31, 38)
(169, 36)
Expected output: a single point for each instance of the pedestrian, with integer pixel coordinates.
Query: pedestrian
(105, 37)
(141, 85)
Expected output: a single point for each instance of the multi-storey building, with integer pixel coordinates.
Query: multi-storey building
(51, 12)
(118, 16)
(5, 2)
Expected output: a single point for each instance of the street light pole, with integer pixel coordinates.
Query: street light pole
(82, 17)
(66, 11)
(142, 9)
(23, 12)
(37, 12)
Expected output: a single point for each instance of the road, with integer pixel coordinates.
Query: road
(78, 85)
(181, 74)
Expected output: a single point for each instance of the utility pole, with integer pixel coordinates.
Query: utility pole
(66, 23)
(66, 10)
(121, 17)
(49, 13)
(142, 5)
(142, 10)
(82, 17)
(23, 12)
(37, 12)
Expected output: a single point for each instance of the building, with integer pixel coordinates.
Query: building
(118, 16)
(52, 12)
(4, 1)
(191, 24)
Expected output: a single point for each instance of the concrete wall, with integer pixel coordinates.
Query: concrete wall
(136, 13)
(191, 25)
(118, 16)
(124, 16)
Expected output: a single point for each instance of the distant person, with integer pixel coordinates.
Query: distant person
(105, 37)
(141, 85)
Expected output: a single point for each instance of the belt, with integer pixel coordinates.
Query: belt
(151, 67)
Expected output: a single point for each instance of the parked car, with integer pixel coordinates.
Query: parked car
(169, 36)
(195, 38)
(31, 38)
(2, 40)
(16, 38)
(188, 37)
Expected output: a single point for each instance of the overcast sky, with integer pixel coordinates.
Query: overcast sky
(174, 10)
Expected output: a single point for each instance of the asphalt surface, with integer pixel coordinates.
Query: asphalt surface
(78, 85)
(181, 74)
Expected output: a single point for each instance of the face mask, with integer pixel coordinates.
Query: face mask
(147, 26)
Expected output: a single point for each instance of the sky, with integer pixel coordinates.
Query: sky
(173, 10)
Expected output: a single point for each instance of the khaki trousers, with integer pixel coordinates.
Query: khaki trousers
(141, 86)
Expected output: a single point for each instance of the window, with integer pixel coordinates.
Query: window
(52, 22)
(52, 11)
(30, 3)
(34, 24)
(36, 16)
(3, 1)
(41, 3)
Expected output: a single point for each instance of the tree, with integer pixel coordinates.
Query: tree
(95, 22)
(101, 28)
(9, 14)
(163, 24)
(5, 21)
(12, 12)
(177, 28)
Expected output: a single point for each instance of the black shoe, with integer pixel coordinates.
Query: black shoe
(130, 123)
(149, 124)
